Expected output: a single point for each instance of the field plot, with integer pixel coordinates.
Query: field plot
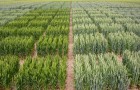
(11, 12)
(70, 46)
(106, 46)
(45, 28)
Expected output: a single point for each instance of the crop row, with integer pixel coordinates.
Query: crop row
(10, 13)
(16, 45)
(101, 16)
(97, 43)
(24, 31)
(35, 19)
(40, 73)
(57, 30)
(105, 71)
(85, 28)
(100, 72)
(132, 62)
(88, 25)
(9, 65)
(110, 10)
(103, 19)
(53, 45)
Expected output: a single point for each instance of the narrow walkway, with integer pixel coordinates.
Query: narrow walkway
(70, 62)
(34, 54)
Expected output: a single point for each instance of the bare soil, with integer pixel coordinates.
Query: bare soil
(119, 58)
(70, 61)
(44, 34)
(21, 62)
(34, 53)
(1, 88)
(134, 88)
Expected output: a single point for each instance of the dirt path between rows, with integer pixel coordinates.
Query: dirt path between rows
(119, 58)
(21, 62)
(34, 54)
(70, 61)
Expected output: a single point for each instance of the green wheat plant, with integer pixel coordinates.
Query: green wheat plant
(100, 72)
(132, 62)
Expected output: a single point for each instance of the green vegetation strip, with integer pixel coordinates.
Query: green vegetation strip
(9, 66)
(56, 39)
(18, 38)
(42, 73)
(106, 46)
(100, 72)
